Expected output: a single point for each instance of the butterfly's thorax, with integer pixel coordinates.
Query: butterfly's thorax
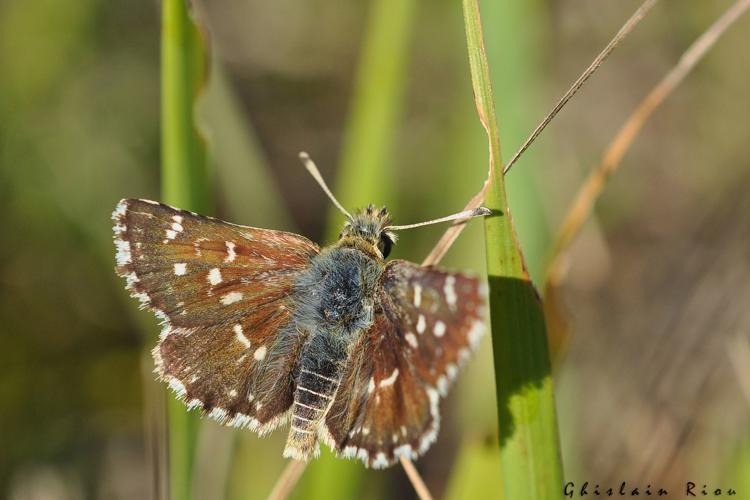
(334, 306)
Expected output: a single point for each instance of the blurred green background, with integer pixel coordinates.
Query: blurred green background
(651, 388)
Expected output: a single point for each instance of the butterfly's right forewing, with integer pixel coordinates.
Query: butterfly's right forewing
(228, 345)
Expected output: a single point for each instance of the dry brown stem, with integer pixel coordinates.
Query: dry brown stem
(594, 184)
(288, 479)
(416, 480)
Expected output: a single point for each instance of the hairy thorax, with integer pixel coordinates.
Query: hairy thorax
(335, 294)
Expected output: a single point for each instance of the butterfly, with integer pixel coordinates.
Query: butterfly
(261, 327)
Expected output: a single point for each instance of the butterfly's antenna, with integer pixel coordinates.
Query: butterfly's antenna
(310, 166)
(466, 214)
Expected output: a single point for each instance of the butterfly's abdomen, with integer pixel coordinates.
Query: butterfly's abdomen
(321, 364)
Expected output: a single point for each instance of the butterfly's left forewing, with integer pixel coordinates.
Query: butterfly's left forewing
(426, 323)
(221, 290)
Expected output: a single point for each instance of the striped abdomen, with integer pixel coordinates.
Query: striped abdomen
(316, 387)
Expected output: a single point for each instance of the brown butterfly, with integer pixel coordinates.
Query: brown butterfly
(261, 326)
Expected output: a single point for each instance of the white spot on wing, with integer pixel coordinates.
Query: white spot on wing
(405, 451)
(180, 269)
(131, 279)
(214, 276)
(421, 324)
(476, 332)
(371, 386)
(439, 329)
(219, 414)
(177, 387)
(194, 403)
(123, 252)
(232, 393)
(442, 384)
(240, 335)
(429, 437)
(411, 339)
(417, 295)
(240, 420)
(231, 298)
(142, 297)
(260, 353)
(231, 255)
(390, 380)
(380, 461)
(150, 202)
(449, 291)
(120, 209)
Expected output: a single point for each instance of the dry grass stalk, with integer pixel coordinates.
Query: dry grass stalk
(288, 480)
(294, 469)
(592, 188)
(452, 233)
(416, 480)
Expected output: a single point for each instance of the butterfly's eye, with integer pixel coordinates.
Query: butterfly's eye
(385, 244)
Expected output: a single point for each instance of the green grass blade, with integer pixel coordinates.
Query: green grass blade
(529, 444)
(516, 42)
(185, 179)
(184, 184)
(364, 174)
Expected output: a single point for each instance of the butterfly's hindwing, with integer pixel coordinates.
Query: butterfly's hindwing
(439, 314)
(426, 323)
(221, 291)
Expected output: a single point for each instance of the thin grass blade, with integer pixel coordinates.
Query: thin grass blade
(185, 183)
(529, 443)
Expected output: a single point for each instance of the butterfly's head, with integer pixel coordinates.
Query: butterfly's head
(368, 229)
